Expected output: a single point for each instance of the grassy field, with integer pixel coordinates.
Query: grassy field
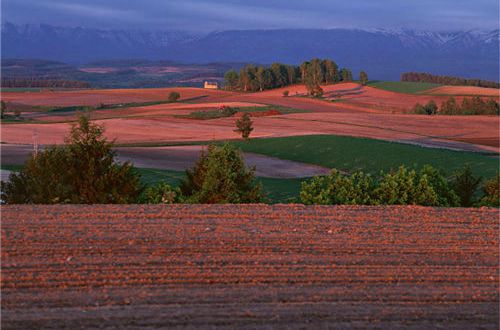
(403, 87)
(352, 154)
(276, 190)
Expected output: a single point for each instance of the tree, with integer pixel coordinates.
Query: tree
(330, 70)
(174, 96)
(491, 191)
(363, 78)
(161, 193)
(82, 172)
(231, 80)
(2, 109)
(449, 107)
(346, 75)
(220, 176)
(431, 108)
(244, 126)
(465, 185)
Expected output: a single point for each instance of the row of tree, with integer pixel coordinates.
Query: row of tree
(469, 106)
(426, 187)
(42, 83)
(446, 80)
(312, 73)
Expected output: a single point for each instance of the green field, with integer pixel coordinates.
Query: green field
(360, 154)
(403, 86)
(276, 190)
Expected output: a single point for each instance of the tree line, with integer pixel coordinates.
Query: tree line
(42, 83)
(446, 80)
(313, 74)
(469, 106)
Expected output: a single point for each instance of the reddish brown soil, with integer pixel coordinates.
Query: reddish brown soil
(249, 266)
(465, 90)
(369, 114)
(108, 96)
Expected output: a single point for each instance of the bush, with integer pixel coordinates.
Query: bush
(82, 172)
(174, 96)
(427, 187)
(405, 187)
(338, 189)
(161, 193)
(286, 93)
(244, 126)
(220, 176)
(227, 111)
(465, 185)
(491, 191)
(419, 109)
(470, 106)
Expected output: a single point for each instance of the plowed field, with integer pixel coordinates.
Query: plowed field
(249, 267)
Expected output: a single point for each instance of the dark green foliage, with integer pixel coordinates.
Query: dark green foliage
(231, 80)
(244, 126)
(312, 73)
(363, 78)
(465, 185)
(161, 193)
(2, 109)
(338, 189)
(286, 93)
(173, 96)
(220, 176)
(449, 107)
(82, 172)
(346, 75)
(403, 187)
(446, 80)
(491, 190)
(429, 109)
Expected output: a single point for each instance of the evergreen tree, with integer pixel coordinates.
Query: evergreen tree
(244, 126)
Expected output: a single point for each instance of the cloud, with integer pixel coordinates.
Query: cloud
(254, 14)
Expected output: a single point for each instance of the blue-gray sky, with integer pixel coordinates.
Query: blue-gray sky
(197, 15)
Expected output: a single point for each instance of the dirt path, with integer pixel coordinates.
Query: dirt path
(249, 267)
(180, 158)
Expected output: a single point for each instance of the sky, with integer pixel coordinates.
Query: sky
(216, 15)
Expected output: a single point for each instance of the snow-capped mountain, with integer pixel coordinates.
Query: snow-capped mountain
(383, 53)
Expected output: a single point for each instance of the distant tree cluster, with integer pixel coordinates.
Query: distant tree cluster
(42, 83)
(446, 80)
(312, 73)
(469, 106)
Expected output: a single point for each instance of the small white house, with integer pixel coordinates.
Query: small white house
(211, 85)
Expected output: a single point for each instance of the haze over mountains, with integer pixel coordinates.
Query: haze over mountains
(383, 53)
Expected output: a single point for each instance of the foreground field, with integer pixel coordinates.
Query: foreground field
(249, 267)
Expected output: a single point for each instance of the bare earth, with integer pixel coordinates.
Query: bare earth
(180, 158)
(356, 111)
(248, 267)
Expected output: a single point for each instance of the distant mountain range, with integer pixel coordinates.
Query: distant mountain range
(384, 54)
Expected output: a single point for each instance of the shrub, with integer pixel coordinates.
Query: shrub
(161, 193)
(405, 187)
(427, 187)
(244, 126)
(465, 185)
(419, 109)
(174, 96)
(449, 107)
(220, 176)
(338, 189)
(431, 108)
(363, 78)
(82, 172)
(286, 93)
(491, 191)
(2, 109)
(227, 111)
